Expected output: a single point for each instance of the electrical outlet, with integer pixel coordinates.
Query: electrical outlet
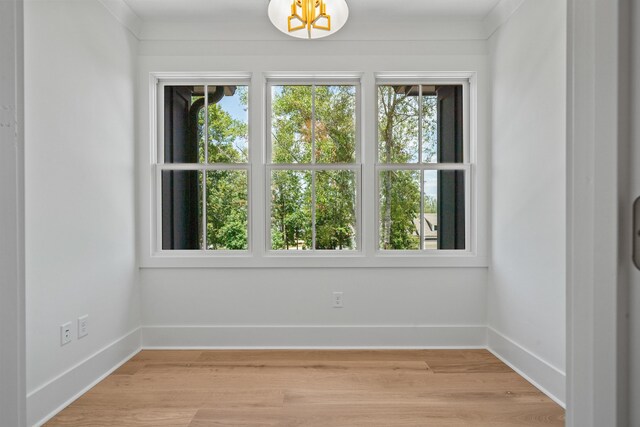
(83, 325)
(337, 300)
(65, 333)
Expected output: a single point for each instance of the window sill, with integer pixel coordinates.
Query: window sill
(354, 260)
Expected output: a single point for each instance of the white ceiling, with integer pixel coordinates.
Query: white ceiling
(365, 10)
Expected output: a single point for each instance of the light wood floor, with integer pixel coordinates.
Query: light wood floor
(313, 388)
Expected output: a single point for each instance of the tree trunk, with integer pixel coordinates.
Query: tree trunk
(387, 178)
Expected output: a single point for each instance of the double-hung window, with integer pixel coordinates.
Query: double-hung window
(422, 166)
(203, 166)
(313, 166)
(388, 181)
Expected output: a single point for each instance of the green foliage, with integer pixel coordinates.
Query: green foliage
(291, 124)
(399, 208)
(335, 209)
(430, 204)
(430, 129)
(398, 128)
(228, 137)
(291, 210)
(227, 210)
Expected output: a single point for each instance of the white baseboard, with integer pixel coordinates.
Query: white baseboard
(254, 337)
(544, 376)
(50, 398)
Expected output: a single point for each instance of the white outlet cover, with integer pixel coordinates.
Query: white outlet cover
(338, 302)
(65, 333)
(83, 326)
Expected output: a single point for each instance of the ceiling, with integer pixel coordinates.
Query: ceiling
(365, 10)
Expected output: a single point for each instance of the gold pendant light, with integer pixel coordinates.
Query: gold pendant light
(308, 18)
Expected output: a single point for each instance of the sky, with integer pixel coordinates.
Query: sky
(233, 106)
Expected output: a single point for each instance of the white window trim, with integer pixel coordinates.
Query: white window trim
(158, 166)
(257, 256)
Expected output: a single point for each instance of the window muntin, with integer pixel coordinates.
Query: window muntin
(422, 187)
(204, 187)
(314, 173)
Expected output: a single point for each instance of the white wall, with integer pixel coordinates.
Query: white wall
(232, 306)
(293, 307)
(80, 203)
(12, 294)
(526, 293)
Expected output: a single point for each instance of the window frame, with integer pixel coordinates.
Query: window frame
(477, 146)
(159, 166)
(466, 166)
(356, 166)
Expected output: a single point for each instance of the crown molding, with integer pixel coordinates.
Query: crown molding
(354, 30)
(499, 15)
(125, 15)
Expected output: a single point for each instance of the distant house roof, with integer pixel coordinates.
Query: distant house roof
(430, 223)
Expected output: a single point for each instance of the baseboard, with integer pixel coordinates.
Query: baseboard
(544, 376)
(50, 398)
(313, 337)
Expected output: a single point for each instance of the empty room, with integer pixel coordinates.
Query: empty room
(319, 213)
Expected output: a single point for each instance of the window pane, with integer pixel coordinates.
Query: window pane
(291, 210)
(226, 120)
(398, 119)
(291, 124)
(227, 200)
(335, 124)
(335, 209)
(228, 123)
(400, 210)
(181, 210)
(444, 209)
(430, 217)
(429, 124)
(183, 131)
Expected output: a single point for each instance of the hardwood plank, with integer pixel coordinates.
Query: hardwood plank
(77, 416)
(129, 368)
(247, 397)
(238, 417)
(479, 414)
(100, 398)
(381, 415)
(454, 361)
(166, 356)
(429, 397)
(290, 364)
(240, 378)
(306, 355)
(354, 379)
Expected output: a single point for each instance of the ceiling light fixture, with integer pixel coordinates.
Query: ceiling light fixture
(308, 19)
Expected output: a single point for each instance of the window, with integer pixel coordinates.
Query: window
(313, 167)
(333, 169)
(203, 167)
(421, 168)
